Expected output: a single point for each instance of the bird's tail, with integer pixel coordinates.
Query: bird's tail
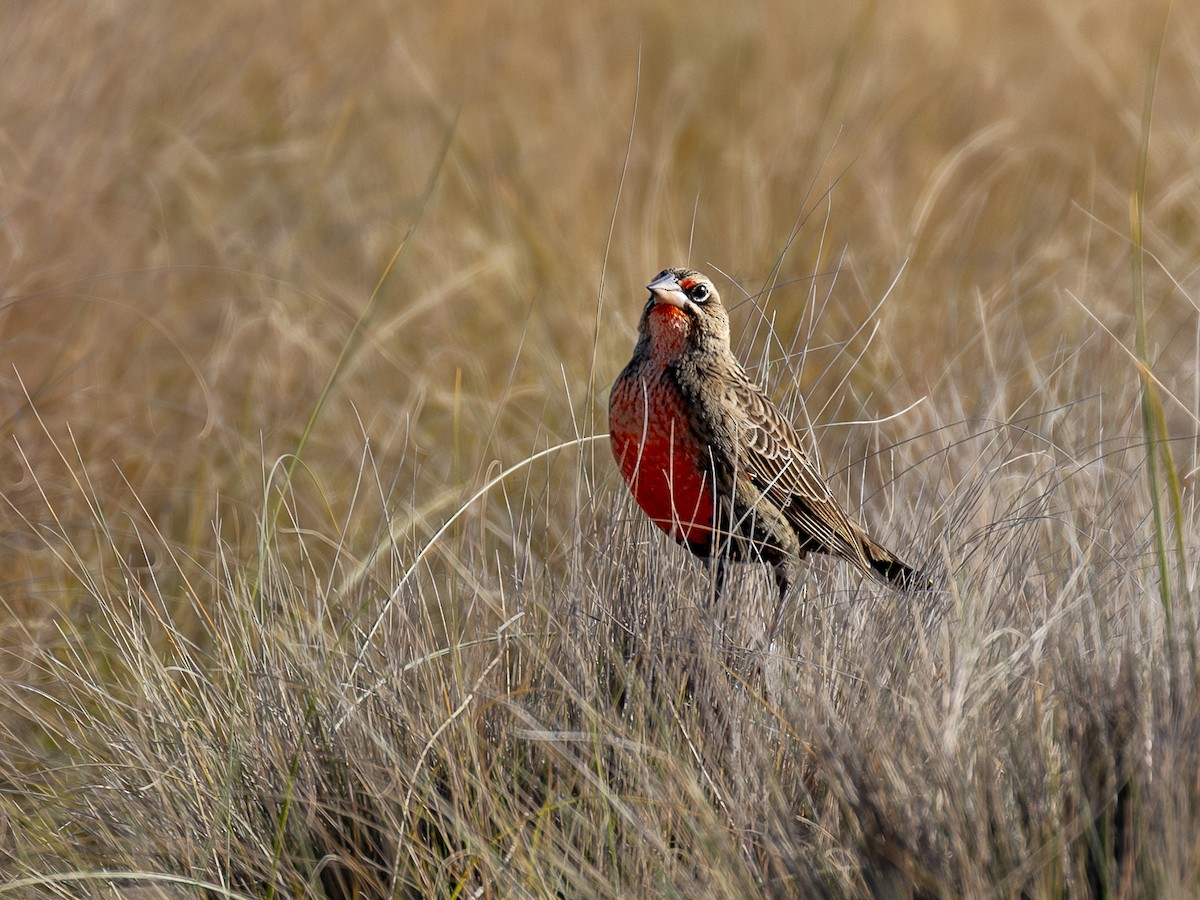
(889, 566)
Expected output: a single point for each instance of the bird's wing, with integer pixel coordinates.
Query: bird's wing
(772, 457)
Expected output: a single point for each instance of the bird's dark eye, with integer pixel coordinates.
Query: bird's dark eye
(700, 293)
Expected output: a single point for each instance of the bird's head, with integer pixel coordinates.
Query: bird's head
(684, 308)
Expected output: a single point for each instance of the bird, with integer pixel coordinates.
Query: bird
(712, 461)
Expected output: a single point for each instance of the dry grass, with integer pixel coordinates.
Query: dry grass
(285, 290)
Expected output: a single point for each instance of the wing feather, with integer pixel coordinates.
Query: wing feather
(772, 456)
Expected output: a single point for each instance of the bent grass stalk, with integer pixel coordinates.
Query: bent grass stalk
(1154, 424)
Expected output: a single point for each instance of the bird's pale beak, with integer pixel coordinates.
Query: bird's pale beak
(666, 289)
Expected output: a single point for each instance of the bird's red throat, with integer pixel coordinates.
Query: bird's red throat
(670, 330)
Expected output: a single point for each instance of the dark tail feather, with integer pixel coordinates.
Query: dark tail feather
(895, 570)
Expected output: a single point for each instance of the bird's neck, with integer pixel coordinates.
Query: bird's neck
(669, 329)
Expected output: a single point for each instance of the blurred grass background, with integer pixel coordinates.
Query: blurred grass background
(931, 200)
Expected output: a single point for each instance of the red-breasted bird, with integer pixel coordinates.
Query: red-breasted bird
(712, 461)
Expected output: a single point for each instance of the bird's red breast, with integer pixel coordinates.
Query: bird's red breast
(661, 460)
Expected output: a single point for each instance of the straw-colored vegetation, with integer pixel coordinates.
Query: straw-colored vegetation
(285, 289)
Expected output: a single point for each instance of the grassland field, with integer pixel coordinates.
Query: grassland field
(317, 578)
